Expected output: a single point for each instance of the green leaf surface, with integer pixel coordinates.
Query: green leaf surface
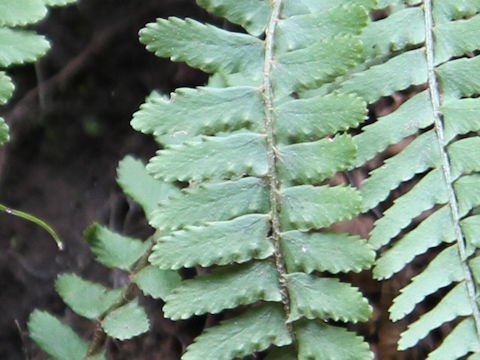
(416, 113)
(306, 207)
(420, 155)
(204, 47)
(400, 29)
(114, 250)
(126, 322)
(300, 31)
(394, 75)
(313, 162)
(6, 88)
(447, 263)
(310, 119)
(86, 298)
(456, 38)
(434, 230)
(220, 243)
(255, 330)
(224, 288)
(459, 342)
(464, 156)
(21, 12)
(215, 157)
(204, 110)
(252, 15)
(319, 63)
(460, 117)
(20, 46)
(467, 189)
(58, 340)
(319, 341)
(325, 252)
(429, 191)
(133, 178)
(325, 298)
(456, 303)
(4, 135)
(156, 282)
(212, 202)
(460, 78)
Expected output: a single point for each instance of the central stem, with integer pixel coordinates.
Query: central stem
(446, 168)
(273, 181)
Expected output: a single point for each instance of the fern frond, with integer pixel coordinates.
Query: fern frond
(255, 153)
(431, 51)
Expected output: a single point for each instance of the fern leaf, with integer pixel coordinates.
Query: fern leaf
(212, 158)
(21, 12)
(313, 118)
(427, 282)
(220, 50)
(429, 191)
(203, 110)
(252, 15)
(459, 342)
(319, 63)
(306, 207)
(454, 304)
(434, 230)
(114, 250)
(220, 243)
(321, 341)
(313, 162)
(126, 322)
(212, 202)
(255, 330)
(420, 156)
(224, 288)
(313, 298)
(156, 282)
(385, 79)
(86, 298)
(300, 31)
(413, 115)
(325, 252)
(20, 46)
(58, 340)
(6, 88)
(399, 30)
(141, 186)
(436, 43)
(255, 151)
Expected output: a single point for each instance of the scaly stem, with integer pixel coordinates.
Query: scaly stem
(273, 181)
(446, 168)
(35, 220)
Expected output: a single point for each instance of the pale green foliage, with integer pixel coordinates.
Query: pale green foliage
(245, 148)
(448, 190)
